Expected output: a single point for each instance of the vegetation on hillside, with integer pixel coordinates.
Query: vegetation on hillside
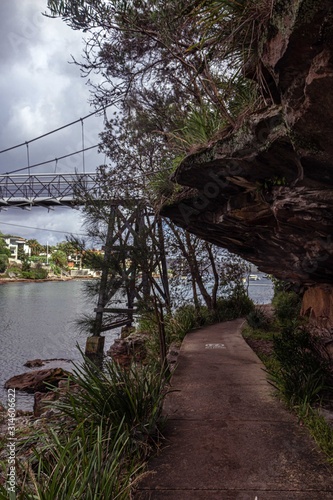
(30, 266)
(297, 363)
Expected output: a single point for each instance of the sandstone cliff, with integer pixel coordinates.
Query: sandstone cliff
(265, 191)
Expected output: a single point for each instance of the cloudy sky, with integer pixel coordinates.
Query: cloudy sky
(39, 92)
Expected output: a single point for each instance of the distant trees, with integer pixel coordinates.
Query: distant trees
(3, 262)
(35, 246)
(3, 247)
(68, 247)
(4, 254)
(59, 259)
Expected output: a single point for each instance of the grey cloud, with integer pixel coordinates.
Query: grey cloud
(61, 219)
(20, 25)
(41, 91)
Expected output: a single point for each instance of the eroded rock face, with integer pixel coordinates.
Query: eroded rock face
(126, 350)
(37, 380)
(34, 363)
(265, 191)
(318, 305)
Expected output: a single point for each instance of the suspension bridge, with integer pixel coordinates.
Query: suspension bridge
(43, 189)
(130, 223)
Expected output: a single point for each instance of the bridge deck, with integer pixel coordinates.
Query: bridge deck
(22, 190)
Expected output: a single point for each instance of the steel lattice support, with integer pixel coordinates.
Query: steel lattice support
(46, 190)
(135, 241)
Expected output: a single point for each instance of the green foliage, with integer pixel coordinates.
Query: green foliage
(236, 306)
(200, 125)
(303, 375)
(187, 317)
(3, 263)
(128, 397)
(36, 247)
(90, 462)
(67, 247)
(287, 306)
(92, 260)
(35, 274)
(280, 285)
(319, 429)
(26, 264)
(59, 259)
(161, 185)
(244, 96)
(14, 269)
(258, 319)
(38, 258)
(270, 183)
(56, 269)
(113, 419)
(3, 248)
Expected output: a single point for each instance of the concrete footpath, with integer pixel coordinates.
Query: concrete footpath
(227, 436)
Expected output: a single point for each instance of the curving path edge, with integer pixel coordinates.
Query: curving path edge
(227, 436)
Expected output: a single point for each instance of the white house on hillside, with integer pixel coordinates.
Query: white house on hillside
(15, 245)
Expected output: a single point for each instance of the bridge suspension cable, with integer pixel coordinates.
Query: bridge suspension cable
(51, 161)
(42, 229)
(25, 143)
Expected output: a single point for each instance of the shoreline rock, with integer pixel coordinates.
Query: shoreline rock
(37, 380)
(34, 363)
(125, 350)
(4, 281)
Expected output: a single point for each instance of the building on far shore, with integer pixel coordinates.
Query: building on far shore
(17, 246)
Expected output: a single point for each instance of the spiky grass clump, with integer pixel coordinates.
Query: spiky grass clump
(303, 376)
(107, 424)
(130, 398)
(91, 463)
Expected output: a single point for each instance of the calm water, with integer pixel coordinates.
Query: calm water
(37, 320)
(261, 291)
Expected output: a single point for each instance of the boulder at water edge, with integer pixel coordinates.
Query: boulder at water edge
(37, 380)
(34, 363)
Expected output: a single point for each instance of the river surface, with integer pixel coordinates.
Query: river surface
(37, 320)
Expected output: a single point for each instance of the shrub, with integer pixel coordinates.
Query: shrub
(113, 419)
(303, 375)
(187, 317)
(183, 321)
(86, 463)
(258, 319)
(41, 274)
(280, 285)
(35, 274)
(287, 306)
(235, 306)
(3, 263)
(117, 396)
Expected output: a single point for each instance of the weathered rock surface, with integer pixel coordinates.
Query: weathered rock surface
(34, 363)
(125, 350)
(265, 191)
(41, 400)
(37, 380)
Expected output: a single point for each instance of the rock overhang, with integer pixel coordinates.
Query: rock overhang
(265, 190)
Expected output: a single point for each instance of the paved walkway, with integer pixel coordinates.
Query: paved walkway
(227, 437)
